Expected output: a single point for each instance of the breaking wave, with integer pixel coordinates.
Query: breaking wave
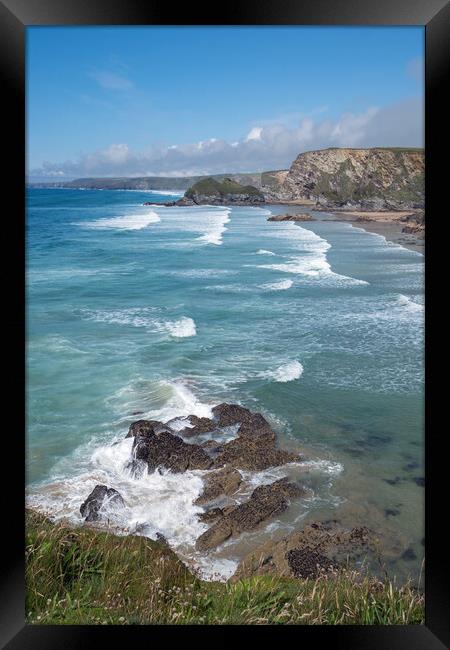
(125, 222)
(287, 372)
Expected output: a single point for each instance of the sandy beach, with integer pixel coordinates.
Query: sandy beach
(387, 224)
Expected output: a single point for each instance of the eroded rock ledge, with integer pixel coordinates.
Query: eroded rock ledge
(266, 501)
(291, 217)
(253, 447)
(319, 547)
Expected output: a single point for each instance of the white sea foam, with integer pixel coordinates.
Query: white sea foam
(135, 316)
(141, 317)
(282, 285)
(203, 273)
(124, 222)
(409, 304)
(214, 227)
(161, 400)
(182, 328)
(215, 568)
(157, 502)
(263, 251)
(207, 222)
(322, 466)
(287, 372)
(311, 261)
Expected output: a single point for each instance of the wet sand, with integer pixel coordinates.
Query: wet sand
(387, 224)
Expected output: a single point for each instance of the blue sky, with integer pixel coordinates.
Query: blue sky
(180, 100)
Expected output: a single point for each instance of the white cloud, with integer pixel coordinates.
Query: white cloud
(254, 134)
(110, 80)
(265, 147)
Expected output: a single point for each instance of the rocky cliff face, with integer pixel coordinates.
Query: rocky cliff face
(364, 179)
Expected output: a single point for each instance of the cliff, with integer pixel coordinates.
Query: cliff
(336, 178)
(364, 179)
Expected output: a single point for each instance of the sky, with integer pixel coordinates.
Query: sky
(172, 101)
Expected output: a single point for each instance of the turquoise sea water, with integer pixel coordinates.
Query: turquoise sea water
(140, 311)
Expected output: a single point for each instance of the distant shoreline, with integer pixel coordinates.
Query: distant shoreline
(386, 224)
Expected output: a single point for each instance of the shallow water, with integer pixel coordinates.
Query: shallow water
(168, 311)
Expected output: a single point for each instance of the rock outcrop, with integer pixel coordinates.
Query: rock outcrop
(363, 179)
(415, 224)
(227, 192)
(318, 548)
(253, 453)
(254, 448)
(198, 426)
(291, 217)
(100, 499)
(224, 481)
(142, 427)
(167, 450)
(266, 501)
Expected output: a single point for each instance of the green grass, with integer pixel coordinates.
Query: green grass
(83, 576)
(212, 187)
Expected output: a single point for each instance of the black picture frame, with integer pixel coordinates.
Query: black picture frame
(15, 16)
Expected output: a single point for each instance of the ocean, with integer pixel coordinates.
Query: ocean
(158, 312)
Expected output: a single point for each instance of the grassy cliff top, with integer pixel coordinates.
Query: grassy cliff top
(84, 576)
(212, 187)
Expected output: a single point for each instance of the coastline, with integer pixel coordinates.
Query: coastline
(386, 224)
(84, 576)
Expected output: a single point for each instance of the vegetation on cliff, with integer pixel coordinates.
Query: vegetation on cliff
(227, 189)
(84, 576)
(371, 179)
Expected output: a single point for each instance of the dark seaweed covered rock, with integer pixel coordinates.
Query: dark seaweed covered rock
(265, 501)
(291, 217)
(100, 497)
(253, 449)
(145, 426)
(250, 423)
(224, 481)
(253, 455)
(198, 426)
(318, 547)
(168, 450)
(307, 563)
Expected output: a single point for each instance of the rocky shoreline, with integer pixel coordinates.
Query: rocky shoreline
(317, 548)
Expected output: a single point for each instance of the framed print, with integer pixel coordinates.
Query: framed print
(229, 261)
